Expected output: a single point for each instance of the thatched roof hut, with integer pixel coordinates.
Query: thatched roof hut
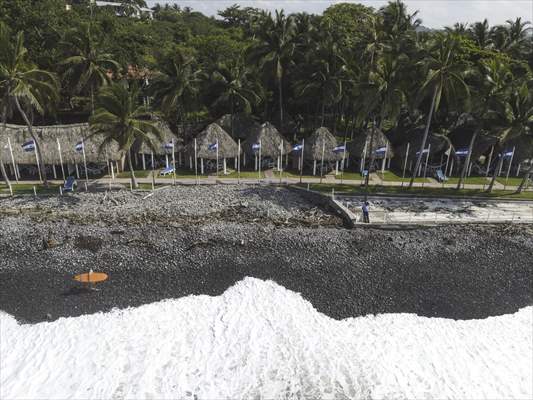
(243, 125)
(362, 142)
(48, 136)
(321, 139)
(461, 136)
(399, 141)
(270, 140)
(161, 146)
(227, 147)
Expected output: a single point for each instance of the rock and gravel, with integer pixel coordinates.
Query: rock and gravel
(201, 240)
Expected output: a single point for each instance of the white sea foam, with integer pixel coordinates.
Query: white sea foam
(263, 341)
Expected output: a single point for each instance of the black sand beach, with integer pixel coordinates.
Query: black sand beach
(452, 271)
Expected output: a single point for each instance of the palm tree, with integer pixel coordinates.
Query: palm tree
(518, 31)
(480, 32)
(87, 67)
(444, 78)
(235, 88)
(120, 118)
(176, 85)
(275, 49)
(26, 87)
(515, 113)
(492, 77)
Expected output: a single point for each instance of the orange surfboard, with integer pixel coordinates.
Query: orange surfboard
(91, 277)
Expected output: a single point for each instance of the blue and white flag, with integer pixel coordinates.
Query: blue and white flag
(168, 146)
(339, 149)
(381, 150)
(256, 146)
(79, 147)
(298, 147)
(508, 154)
(461, 152)
(212, 146)
(29, 146)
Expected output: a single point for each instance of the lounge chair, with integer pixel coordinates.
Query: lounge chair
(440, 176)
(167, 171)
(365, 173)
(70, 184)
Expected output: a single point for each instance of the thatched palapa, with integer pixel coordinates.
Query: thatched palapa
(48, 136)
(161, 146)
(243, 125)
(227, 148)
(270, 140)
(321, 139)
(363, 142)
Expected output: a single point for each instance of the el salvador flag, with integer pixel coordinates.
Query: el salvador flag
(256, 146)
(29, 146)
(212, 146)
(423, 152)
(462, 152)
(79, 147)
(339, 149)
(508, 154)
(298, 147)
(381, 150)
(168, 146)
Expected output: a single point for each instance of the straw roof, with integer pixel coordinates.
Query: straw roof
(243, 125)
(414, 138)
(167, 137)
(227, 147)
(270, 140)
(461, 136)
(48, 136)
(362, 142)
(321, 139)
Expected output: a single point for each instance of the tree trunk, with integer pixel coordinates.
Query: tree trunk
(37, 145)
(467, 161)
(231, 117)
(134, 183)
(372, 155)
(424, 139)
(495, 174)
(280, 87)
(323, 113)
(526, 177)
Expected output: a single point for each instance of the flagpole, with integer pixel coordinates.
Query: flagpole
(426, 167)
(84, 161)
(322, 160)
(153, 168)
(37, 159)
(195, 161)
(239, 163)
(281, 162)
(509, 167)
(61, 159)
(173, 162)
(259, 159)
(13, 160)
(490, 160)
(302, 160)
(217, 156)
(343, 161)
(405, 161)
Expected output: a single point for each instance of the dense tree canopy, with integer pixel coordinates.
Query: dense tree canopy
(352, 68)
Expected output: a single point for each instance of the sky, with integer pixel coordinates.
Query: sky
(434, 13)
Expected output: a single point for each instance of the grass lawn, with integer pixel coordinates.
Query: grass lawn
(353, 176)
(180, 174)
(138, 174)
(25, 188)
(244, 175)
(473, 180)
(512, 181)
(429, 192)
(390, 176)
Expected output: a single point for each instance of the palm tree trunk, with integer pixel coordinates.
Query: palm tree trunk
(231, 122)
(467, 161)
(37, 145)
(323, 113)
(280, 87)
(134, 183)
(495, 174)
(526, 177)
(371, 158)
(424, 139)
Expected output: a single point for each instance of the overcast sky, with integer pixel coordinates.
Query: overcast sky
(434, 13)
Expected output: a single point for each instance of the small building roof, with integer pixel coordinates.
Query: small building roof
(321, 139)
(270, 140)
(206, 140)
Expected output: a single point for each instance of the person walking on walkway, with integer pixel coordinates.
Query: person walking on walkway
(365, 207)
